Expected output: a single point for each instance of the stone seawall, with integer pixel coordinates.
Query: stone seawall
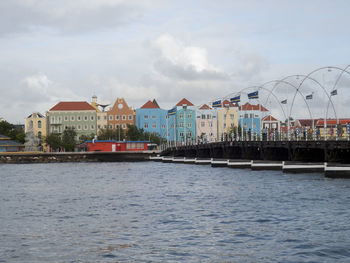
(39, 157)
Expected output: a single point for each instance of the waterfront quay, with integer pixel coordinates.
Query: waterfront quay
(60, 157)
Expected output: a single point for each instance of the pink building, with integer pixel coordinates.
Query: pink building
(206, 124)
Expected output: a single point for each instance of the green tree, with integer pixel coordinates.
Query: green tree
(109, 134)
(54, 140)
(68, 139)
(83, 138)
(11, 131)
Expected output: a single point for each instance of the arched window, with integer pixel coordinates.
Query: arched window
(39, 124)
(30, 124)
(39, 135)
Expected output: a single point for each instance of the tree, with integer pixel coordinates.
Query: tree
(109, 134)
(54, 140)
(11, 131)
(68, 139)
(83, 138)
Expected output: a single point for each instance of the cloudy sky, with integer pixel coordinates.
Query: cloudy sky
(63, 50)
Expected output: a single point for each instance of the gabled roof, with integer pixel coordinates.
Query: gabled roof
(150, 105)
(72, 106)
(155, 103)
(249, 106)
(225, 102)
(205, 107)
(269, 118)
(184, 101)
(37, 113)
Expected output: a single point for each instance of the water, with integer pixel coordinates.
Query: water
(155, 212)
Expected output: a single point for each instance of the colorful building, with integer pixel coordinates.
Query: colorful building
(116, 146)
(7, 145)
(227, 119)
(185, 122)
(120, 115)
(151, 118)
(250, 117)
(206, 124)
(78, 115)
(101, 121)
(36, 123)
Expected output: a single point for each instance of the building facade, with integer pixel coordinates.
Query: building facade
(36, 123)
(227, 119)
(151, 118)
(78, 115)
(185, 122)
(101, 121)
(120, 115)
(250, 117)
(206, 124)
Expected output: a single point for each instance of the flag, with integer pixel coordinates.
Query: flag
(309, 97)
(172, 111)
(253, 95)
(334, 92)
(235, 99)
(217, 104)
(284, 102)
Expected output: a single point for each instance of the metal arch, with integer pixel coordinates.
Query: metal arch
(335, 84)
(308, 77)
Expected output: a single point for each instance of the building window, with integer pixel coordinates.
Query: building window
(79, 127)
(210, 124)
(98, 118)
(181, 124)
(181, 134)
(52, 119)
(189, 134)
(117, 126)
(111, 126)
(153, 117)
(92, 118)
(181, 116)
(31, 124)
(130, 117)
(224, 116)
(172, 125)
(154, 125)
(99, 126)
(208, 116)
(224, 125)
(66, 118)
(85, 127)
(105, 117)
(117, 117)
(105, 126)
(123, 117)
(92, 127)
(85, 118)
(202, 124)
(72, 118)
(203, 116)
(79, 118)
(111, 117)
(145, 125)
(189, 115)
(245, 115)
(163, 126)
(146, 117)
(189, 125)
(39, 134)
(124, 126)
(232, 116)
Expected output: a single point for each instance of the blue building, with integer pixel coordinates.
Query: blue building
(151, 118)
(250, 117)
(185, 122)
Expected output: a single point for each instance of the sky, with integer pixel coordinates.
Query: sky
(70, 50)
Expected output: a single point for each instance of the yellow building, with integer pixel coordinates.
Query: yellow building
(227, 119)
(36, 123)
(101, 115)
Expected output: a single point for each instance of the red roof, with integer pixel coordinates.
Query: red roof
(269, 118)
(249, 106)
(184, 101)
(150, 105)
(205, 107)
(72, 106)
(333, 121)
(225, 102)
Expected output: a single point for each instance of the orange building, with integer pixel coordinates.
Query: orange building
(120, 115)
